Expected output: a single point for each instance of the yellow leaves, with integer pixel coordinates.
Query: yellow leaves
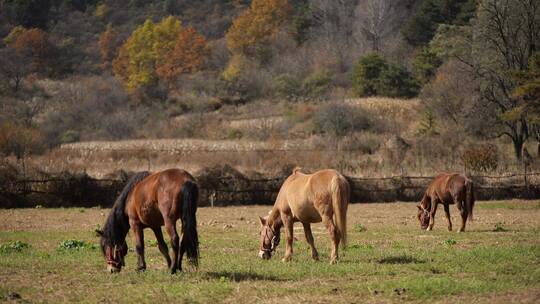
(233, 69)
(257, 25)
(14, 34)
(102, 10)
(159, 51)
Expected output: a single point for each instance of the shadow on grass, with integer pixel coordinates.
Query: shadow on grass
(241, 276)
(402, 259)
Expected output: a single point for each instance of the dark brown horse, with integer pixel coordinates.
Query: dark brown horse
(447, 189)
(151, 201)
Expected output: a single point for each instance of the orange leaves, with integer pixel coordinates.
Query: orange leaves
(107, 46)
(161, 51)
(257, 25)
(34, 43)
(187, 56)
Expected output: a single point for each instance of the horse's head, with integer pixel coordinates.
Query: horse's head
(269, 239)
(114, 254)
(423, 217)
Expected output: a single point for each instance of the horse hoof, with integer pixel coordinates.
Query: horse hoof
(315, 257)
(286, 260)
(333, 262)
(141, 269)
(428, 229)
(449, 228)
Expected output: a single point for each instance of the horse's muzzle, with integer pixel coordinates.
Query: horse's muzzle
(112, 269)
(265, 255)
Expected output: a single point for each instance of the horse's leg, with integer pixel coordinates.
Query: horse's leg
(310, 241)
(447, 213)
(139, 245)
(162, 245)
(288, 223)
(464, 215)
(170, 225)
(334, 237)
(181, 255)
(434, 203)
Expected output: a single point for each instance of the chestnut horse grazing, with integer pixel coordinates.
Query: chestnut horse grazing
(307, 198)
(447, 189)
(151, 201)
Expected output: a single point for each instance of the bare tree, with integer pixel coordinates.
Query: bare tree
(376, 20)
(14, 66)
(333, 28)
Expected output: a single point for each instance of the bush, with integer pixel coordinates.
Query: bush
(480, 158)
(69, 136)
(366, 74)
(396, 81)
(286, 86)
(372, 75)
(317, 85)
(340, 119)
(16, 246)
(425, 64)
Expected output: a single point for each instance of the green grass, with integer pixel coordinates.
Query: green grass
(511, 205)
(384, 263)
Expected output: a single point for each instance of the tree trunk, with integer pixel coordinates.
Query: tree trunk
(518, 147)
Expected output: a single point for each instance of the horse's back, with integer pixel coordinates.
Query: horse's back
(448, 187)
(307, 194)
(157, 193)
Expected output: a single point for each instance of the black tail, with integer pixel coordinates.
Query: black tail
(190, 238)
(469, 198)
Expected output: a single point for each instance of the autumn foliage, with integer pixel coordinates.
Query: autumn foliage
(186, 57)
(257, 25)
(159, 51)
(107, 46)
(32, 42)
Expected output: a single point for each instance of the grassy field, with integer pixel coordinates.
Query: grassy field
(389, 259)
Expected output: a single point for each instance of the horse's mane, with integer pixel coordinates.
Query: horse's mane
(117, 224)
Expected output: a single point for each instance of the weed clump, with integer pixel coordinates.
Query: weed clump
(75, 245)
(16, 246)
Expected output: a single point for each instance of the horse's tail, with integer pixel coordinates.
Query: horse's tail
(190, 238)
(469, 197)
(340, 201)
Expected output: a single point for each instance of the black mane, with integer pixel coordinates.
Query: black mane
(117, 224)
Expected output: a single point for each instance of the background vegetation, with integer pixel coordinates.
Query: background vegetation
(80, 70)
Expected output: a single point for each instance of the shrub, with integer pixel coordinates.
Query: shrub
(372, 75)
(317, 85)
(480, 158)
(396, 81)
(425, 64)
(69, 136)
(340, 119)
(286, 86)
(450, 242)
(16, 246)
(366, 74)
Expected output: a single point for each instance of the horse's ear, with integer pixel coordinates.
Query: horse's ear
(262, 220)
(99, 232)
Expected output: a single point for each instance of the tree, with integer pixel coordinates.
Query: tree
(499, 43)
(161, 51)
(107, 46)
(256, 26)
(35, 43)
(366, 74)
(14, 66)
(423, 25)
(377, 20)
(187, 56)
(425, 64)
(29, 13)
(148, 47)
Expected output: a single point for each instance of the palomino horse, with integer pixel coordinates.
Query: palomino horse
(307, 198)
(151, 201)
(447, 189)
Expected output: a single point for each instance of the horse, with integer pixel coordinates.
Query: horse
(307, 198)
(151, 200)
(447, 189)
